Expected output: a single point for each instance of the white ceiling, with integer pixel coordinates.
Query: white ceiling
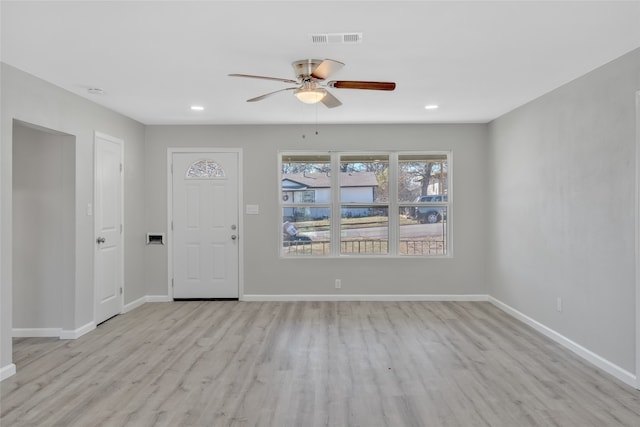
(476, 59)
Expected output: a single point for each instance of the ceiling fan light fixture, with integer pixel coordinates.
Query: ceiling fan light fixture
(310, 96)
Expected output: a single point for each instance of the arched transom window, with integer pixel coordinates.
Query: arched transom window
(205, 169)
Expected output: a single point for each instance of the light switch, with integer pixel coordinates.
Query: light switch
(89, 209)
(252, 209)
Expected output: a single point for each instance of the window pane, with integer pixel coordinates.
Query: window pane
(306, 179)
(422, 175)
(205, 169)
(418, 237)
(364, 179)
(364, 230)
(305, 231)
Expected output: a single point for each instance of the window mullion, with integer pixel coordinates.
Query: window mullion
(335, 204)
(394, 218)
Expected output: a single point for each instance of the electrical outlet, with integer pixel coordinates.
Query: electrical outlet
(338, 283)
(559, 305)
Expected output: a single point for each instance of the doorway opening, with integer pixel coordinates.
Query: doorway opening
(43, 251)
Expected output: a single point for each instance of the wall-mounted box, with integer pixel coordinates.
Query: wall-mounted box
(155, 238)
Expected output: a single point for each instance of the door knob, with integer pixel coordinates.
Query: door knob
(100, 240)
(234, 237)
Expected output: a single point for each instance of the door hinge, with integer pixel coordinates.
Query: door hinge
(171, 225)
(121, 167)
(121, 291)
(121, 228)
(172, 282)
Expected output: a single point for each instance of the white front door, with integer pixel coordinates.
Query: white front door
(205, 225)
(108, 226)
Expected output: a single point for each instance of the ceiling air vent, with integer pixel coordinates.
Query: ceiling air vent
(336, 38)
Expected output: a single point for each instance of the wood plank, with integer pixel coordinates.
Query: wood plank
(310, 364)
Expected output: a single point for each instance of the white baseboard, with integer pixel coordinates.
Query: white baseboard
(134, 304)
(591, 357)
(77, 333)
(337, 297)
(36, 332)
(53, 332)
(7, 371)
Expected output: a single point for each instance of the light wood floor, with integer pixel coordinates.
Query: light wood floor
(310, 364)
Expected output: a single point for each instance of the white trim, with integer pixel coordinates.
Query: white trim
(334, 297)
(7, 371)
(637, 240)
(134, 304)
(36, 332)
(53, 332)
(591, 357)
(120, 142)
(170, 152)
(77, 333)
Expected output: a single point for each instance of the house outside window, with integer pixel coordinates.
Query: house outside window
(375, 204)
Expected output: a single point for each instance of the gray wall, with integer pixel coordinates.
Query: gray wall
(43, 228)
(31, 100)
(265, 273)
(562, 209)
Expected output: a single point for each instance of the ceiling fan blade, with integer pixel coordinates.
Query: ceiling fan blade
(261, 97)
(326, 68)
(350, 84)
(264, 78)
(330, 101)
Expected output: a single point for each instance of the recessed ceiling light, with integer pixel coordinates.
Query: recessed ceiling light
(95, 91)
(431, 107)
(197, 107)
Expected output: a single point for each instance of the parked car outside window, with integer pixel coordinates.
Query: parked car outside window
(430, 214)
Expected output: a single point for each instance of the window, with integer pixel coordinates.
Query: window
(374, 204)
(205, 169)
(364, 204)
(423, 204)
(306, 204)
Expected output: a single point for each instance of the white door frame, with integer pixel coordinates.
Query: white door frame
(170, 152)
(637, 243)
(120, 142)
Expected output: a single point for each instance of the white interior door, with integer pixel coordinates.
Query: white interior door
(205, 225)
(108, 226)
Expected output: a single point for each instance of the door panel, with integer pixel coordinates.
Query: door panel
(205, 218)
(108, 226)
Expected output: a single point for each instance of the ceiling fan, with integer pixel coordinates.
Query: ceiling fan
(310, 86)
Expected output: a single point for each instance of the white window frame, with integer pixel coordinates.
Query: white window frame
(393, 205)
